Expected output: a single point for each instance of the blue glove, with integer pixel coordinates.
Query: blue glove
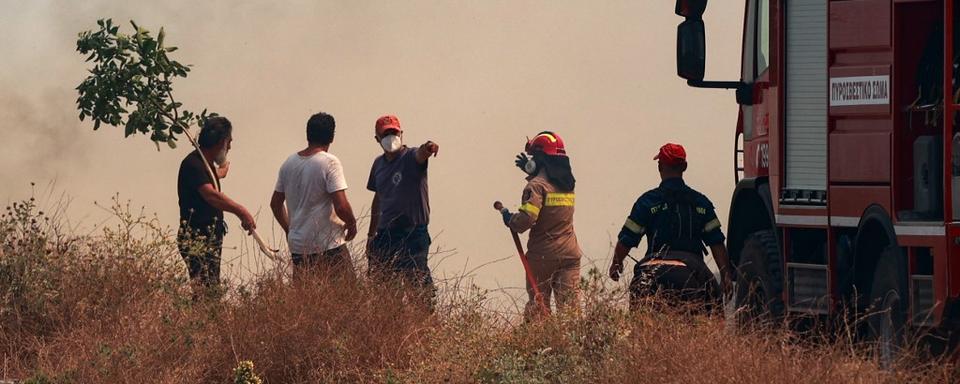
(506, 216)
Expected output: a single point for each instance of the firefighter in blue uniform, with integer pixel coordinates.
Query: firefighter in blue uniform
(678, 223)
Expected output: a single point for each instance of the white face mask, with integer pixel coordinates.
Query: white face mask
(390, 143)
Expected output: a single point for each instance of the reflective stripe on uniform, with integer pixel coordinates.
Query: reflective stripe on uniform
(677, 263)
(559, 199)
(531, 209)
(634, 227)
(713, 224)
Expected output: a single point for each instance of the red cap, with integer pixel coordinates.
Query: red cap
(672, 154)
(387, 123)
(547, 142)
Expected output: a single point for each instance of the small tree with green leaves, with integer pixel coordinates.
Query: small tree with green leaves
(131, 85)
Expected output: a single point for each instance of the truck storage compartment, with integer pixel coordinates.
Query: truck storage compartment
(919, 100)
(806, 98)
(927, 180)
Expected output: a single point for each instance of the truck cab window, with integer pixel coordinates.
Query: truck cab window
(748, 65)
(747, 73)
(763, 35)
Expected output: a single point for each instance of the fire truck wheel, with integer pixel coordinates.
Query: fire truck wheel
(887, 314)
(759, 289)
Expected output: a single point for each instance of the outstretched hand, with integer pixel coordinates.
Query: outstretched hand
(426, 150)
(432, 148)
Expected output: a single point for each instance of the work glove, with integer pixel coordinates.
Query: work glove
(506, 216)
(521, 162)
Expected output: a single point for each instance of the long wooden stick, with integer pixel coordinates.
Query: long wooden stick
(272, 254)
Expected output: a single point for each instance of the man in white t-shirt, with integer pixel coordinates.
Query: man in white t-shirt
(317, 218)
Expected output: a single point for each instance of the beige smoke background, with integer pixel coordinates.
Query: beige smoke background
(477, 77)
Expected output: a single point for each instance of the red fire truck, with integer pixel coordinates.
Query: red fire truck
(847, 159)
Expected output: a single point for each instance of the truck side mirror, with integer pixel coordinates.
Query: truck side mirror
(691, 49)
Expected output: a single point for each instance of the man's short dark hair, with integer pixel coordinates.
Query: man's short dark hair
(215, 129)
(680, 168)
(320, 129)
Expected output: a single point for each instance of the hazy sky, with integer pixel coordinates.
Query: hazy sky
(477, 77)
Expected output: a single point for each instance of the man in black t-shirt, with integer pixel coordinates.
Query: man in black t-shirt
(200, 238)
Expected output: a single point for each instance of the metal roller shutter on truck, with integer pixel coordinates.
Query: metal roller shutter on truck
(806, 95)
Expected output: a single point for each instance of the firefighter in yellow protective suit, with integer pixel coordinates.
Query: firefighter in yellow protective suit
(547, 212)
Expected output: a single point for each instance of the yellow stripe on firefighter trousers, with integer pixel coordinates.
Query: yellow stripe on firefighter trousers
(559, 199)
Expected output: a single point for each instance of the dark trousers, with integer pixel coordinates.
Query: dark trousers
(403, 253)
(691, 283)
(201, 249)
(334, 263)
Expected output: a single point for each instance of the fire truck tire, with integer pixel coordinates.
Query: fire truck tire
(887, 312)
(759, 289)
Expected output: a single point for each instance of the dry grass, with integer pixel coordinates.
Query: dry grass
(114, 307)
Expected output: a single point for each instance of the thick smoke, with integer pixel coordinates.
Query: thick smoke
(476, 77)
(39, 136)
